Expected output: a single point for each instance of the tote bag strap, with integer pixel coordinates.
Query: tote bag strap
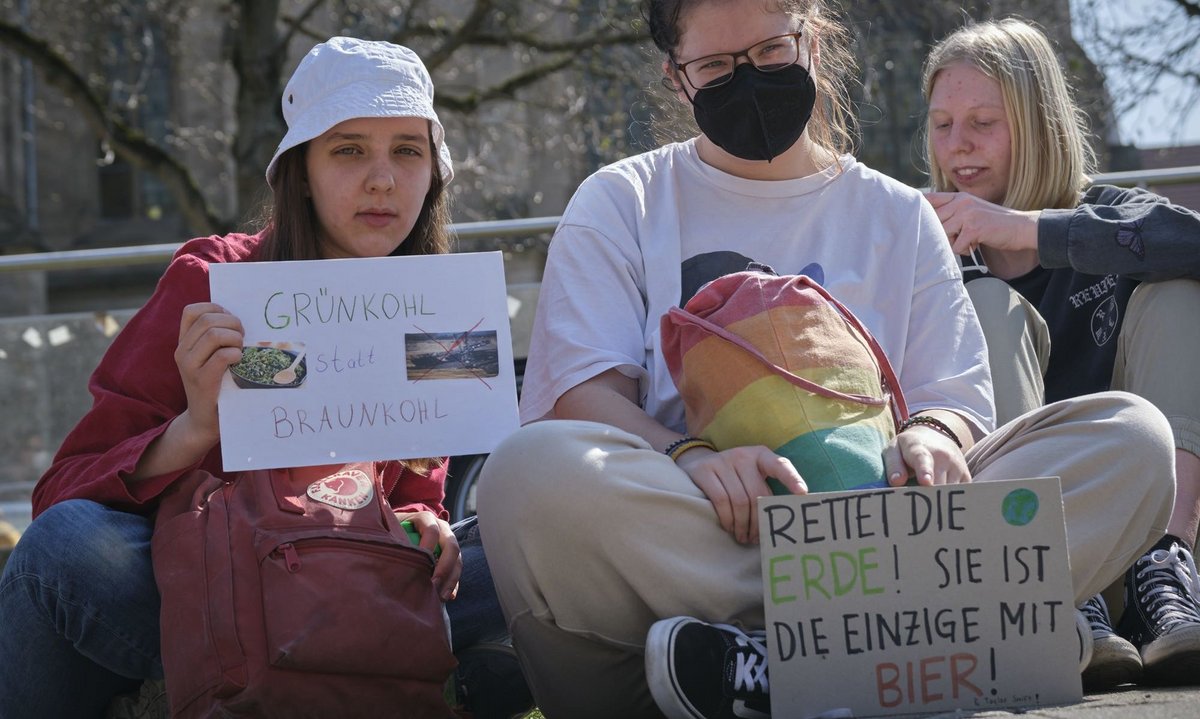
(890, 385)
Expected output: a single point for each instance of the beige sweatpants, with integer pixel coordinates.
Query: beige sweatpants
(1157, 351)
(592, 536)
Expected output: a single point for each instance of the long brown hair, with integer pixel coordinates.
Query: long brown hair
(291, 230)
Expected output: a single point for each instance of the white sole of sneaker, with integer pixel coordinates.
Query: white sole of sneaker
(660, 670)
(1173, 660)
(1114, 662)
(1084, 630)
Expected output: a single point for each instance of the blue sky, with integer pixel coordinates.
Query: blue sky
(1152, 124)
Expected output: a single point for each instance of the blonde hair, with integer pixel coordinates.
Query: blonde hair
(1051, 158)
(832, 125)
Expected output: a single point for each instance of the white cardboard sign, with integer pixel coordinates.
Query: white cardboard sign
(919, 600)
(395, 358)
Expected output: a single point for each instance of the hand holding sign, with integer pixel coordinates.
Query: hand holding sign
(377, 359)
(210, 340)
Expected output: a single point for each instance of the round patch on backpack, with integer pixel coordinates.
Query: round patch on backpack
(348, 489)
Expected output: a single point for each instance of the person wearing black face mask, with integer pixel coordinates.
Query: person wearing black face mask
(639, 528)
(760, 109)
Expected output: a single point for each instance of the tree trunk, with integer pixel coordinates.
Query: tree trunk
(259, 51)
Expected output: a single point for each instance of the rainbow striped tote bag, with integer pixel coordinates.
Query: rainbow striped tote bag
(776, 360)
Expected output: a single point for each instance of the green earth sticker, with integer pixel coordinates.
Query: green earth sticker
(1020, 507)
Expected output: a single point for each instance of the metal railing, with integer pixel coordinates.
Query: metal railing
(151, 254)
(161, 253)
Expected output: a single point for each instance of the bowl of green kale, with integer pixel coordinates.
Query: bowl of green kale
(260, 364)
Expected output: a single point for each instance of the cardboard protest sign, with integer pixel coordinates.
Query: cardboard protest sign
(366, 359)
(919, 599)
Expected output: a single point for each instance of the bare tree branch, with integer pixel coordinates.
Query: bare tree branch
(1190, 7)
(507, 89)
(531, 39)
(1149, 57)
(127, 142)
(466, 32)
(406, 20)
(538, 42)
(296, 24)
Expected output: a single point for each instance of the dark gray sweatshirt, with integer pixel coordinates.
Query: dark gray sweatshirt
(1092, 257)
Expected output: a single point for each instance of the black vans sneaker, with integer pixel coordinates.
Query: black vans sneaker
(707, 671)
(1162, 614)
(1115, 660)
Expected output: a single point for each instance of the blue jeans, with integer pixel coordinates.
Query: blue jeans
(78, 613)
(475, 616)
(79, 610)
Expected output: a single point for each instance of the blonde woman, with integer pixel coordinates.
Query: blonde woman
(1081, 289)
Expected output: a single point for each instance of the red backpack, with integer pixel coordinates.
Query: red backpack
(293, 600)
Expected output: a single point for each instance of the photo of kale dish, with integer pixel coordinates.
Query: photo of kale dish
(269, 367)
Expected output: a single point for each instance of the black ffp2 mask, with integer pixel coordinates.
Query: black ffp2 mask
(757, 115)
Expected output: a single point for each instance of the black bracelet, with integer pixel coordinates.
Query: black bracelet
(935, 423)
(676, 449)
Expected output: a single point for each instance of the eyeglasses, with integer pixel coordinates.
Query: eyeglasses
(770, 55)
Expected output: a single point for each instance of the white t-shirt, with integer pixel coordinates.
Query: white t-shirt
(640, 230)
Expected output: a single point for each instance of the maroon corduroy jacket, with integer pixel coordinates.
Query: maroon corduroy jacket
(137, 391)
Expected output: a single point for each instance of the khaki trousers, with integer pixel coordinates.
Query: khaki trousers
(1157, 351)
(592, 536)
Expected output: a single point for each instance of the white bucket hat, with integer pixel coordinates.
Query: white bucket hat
(346, 78)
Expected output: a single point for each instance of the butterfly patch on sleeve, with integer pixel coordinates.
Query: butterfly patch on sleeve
(1129, 236)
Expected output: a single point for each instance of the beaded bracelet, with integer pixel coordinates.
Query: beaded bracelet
(933, 422)
(676, 449)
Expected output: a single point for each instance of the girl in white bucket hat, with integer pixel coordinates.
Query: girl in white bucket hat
(361, 172)
(349, 105)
